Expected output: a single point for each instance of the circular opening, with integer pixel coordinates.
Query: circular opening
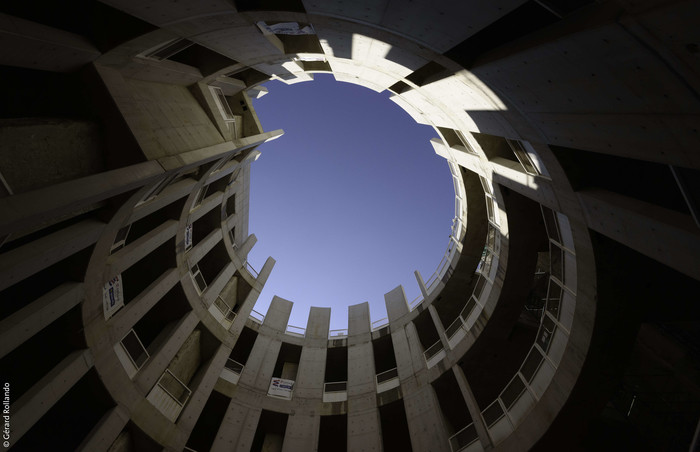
(350, 201)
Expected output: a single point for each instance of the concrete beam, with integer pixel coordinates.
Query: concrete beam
(662, 234)
(22, 262)
(39, 399)
(31, 319)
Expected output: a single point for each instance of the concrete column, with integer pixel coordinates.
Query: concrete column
(28, 321)
(246, 246)
(396, 305)
(318, 325)
(39, 399)
(216, 287)
(248, 304)
(155, 366)
(237, 429)
(425, 421)
(438, 326)
(358, 319)
(312, 364)
(278, 313)
(408, 352)
(364, 428)
(261, 363)
(201, 387)
(106, 431)
(420, 403)
(472, 406)
(302, 432)
(229, 292)
(421, 284)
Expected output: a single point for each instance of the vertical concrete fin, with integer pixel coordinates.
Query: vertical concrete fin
(396, 304)
(358, 319)
(278, 313)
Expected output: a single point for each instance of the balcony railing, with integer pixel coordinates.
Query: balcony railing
(416, 301)
(169, 395)
(257, 317)
(380, 323)
(463, 438)
(232, 371)
(387, 380)
(234, 366)
(250, 269)
(336, 391)
(335, 386)
(433, 350)
(225, 309)
(296, 331)
(335, 334)
(134, 349)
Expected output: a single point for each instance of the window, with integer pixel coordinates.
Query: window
(120, 239)
(199, 282)
(222, 103)
(165, 51)
(134, 349)
(523, 157)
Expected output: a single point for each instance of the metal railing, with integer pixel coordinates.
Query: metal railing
(463, 438)
(225, 309)
(380, 323)
(334, 334)
(250, 269)
(335, 386)
(234, 366)
(296, 331)
(433, 350)
(416, 301)
(453, 328)
(257, 317)
(175, 388)
(387, 375)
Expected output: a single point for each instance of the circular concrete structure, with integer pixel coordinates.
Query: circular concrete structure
(570, 130)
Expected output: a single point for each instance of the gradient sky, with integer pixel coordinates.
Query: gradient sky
(349, 201)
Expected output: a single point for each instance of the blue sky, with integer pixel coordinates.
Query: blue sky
(349, 201)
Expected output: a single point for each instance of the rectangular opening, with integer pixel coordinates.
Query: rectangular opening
(296, 6)
(428, 73)
(333, 433)
(207, 61)
(88, 397)
(204, 431)
(269, 435)
(384, 358)
(155, 326)
(452, 404)
(244, 345)
(395, 434)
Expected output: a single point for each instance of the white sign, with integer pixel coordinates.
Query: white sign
(112, 296)
(280, 387)
(188, 236)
